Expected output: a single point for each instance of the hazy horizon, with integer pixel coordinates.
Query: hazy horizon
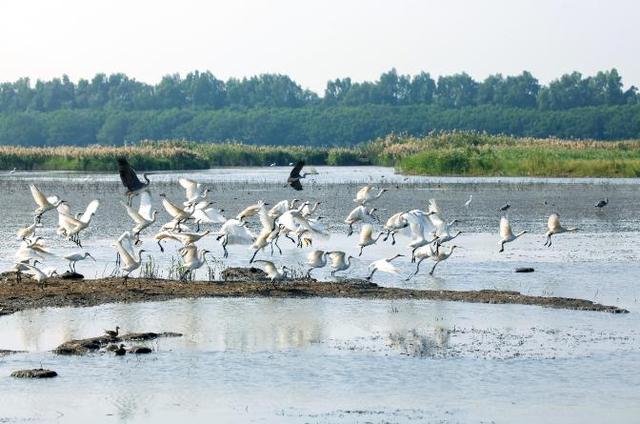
(317, 42)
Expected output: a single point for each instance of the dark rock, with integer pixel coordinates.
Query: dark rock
(35, 373)
(140, 350)
(524, 269)
(72, 276)
(243, 274)
(84, 346)
(4, 352)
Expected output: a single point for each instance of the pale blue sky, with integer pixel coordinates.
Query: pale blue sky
(314, 41)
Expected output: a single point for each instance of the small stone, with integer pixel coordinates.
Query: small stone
(524, 269)
(140, 350)
(34, 373)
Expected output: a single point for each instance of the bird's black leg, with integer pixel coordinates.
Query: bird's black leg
(434, 268)
(277, 245)
(224, 246)
(160, 245)
(386, 237)
(254, 256)
(309, 272)
(350, 231)
(289, 237)
(361, 248)
(417, 269)
(368, 278)
(198, 227)
(393, 238)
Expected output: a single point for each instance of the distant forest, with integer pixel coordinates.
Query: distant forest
(274, 109)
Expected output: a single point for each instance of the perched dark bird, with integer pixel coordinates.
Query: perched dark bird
(602, 203)
(505, 207)
(121, 351)
(112, 333)
(130, 179)
(295, 177)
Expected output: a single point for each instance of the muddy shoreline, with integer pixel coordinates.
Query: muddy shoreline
(59, 293)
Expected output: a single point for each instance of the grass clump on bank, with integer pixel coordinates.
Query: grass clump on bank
(444, 153)
(169, 155)
(477, 154)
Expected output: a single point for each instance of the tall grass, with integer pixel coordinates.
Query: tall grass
(442, 153)
(472, 153)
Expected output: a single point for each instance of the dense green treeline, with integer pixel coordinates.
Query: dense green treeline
(310, 126)
(202, 90)
(273, 109)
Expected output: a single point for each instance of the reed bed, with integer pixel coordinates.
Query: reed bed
(438, 153)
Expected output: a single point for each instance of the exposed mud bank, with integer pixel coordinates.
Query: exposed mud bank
(58, 292)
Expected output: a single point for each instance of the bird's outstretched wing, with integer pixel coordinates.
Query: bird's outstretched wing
(91, 209)
(269, 267)
(505, 228)
(296, 185)
(295, 172)
(145, 206)
(128, 176)
(40, 198)
(365, 233)
(190, 186)
(189, 253)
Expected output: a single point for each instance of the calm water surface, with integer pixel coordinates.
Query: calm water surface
(344, 360)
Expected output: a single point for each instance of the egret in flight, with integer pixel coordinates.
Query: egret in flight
(554, 227)
(506, 235)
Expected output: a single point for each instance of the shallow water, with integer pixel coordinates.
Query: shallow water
(342, 360)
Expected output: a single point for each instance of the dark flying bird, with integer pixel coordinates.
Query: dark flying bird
(602, 203)
(505, 207)
(295, 177)
(130, 179)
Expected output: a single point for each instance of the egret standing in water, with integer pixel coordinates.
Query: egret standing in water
(75, 257)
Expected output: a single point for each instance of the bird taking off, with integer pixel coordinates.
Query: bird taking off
(130, 179)
(602, 203)
(295, 177)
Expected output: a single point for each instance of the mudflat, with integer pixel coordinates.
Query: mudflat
(57, 292)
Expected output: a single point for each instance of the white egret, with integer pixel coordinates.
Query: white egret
(75, 257)
(234, 232)
(360, 213)
(366, 237)
(195, 192)
(178, 214)
(316, 259)
(70, 227)
(366, 195)
(203, 214)
(506, 235)
(27, 231)
(422, 253)
(41, 276)
(468, 202)
(395, 223)
(307, 210)
(250, 211)
(143, 217)
(339, 261)
(44, 203)
(126, 252)
(32, 250)
(281, 207)
(192, 260)
(441, 255)
(272, 272)
(553, 224)
(384, 265)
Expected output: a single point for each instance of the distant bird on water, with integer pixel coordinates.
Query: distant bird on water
(468, 202)
(112, 333)
(130, 180)
(602, 203)
(504, 207)
(295, 177)
(13, 171)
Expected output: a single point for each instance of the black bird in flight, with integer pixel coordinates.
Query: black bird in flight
(130, 179)
(505, 207)
(602, 203)
(295, 177)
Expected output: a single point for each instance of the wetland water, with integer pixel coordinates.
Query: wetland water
(349, 360)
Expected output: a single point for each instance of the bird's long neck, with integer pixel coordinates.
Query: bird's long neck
(139, 256)
(379, 235)
(520, 233)
(394, 257)
(146, 178)
(379, 193)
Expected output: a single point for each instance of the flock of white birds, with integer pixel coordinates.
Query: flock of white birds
(430, 235)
